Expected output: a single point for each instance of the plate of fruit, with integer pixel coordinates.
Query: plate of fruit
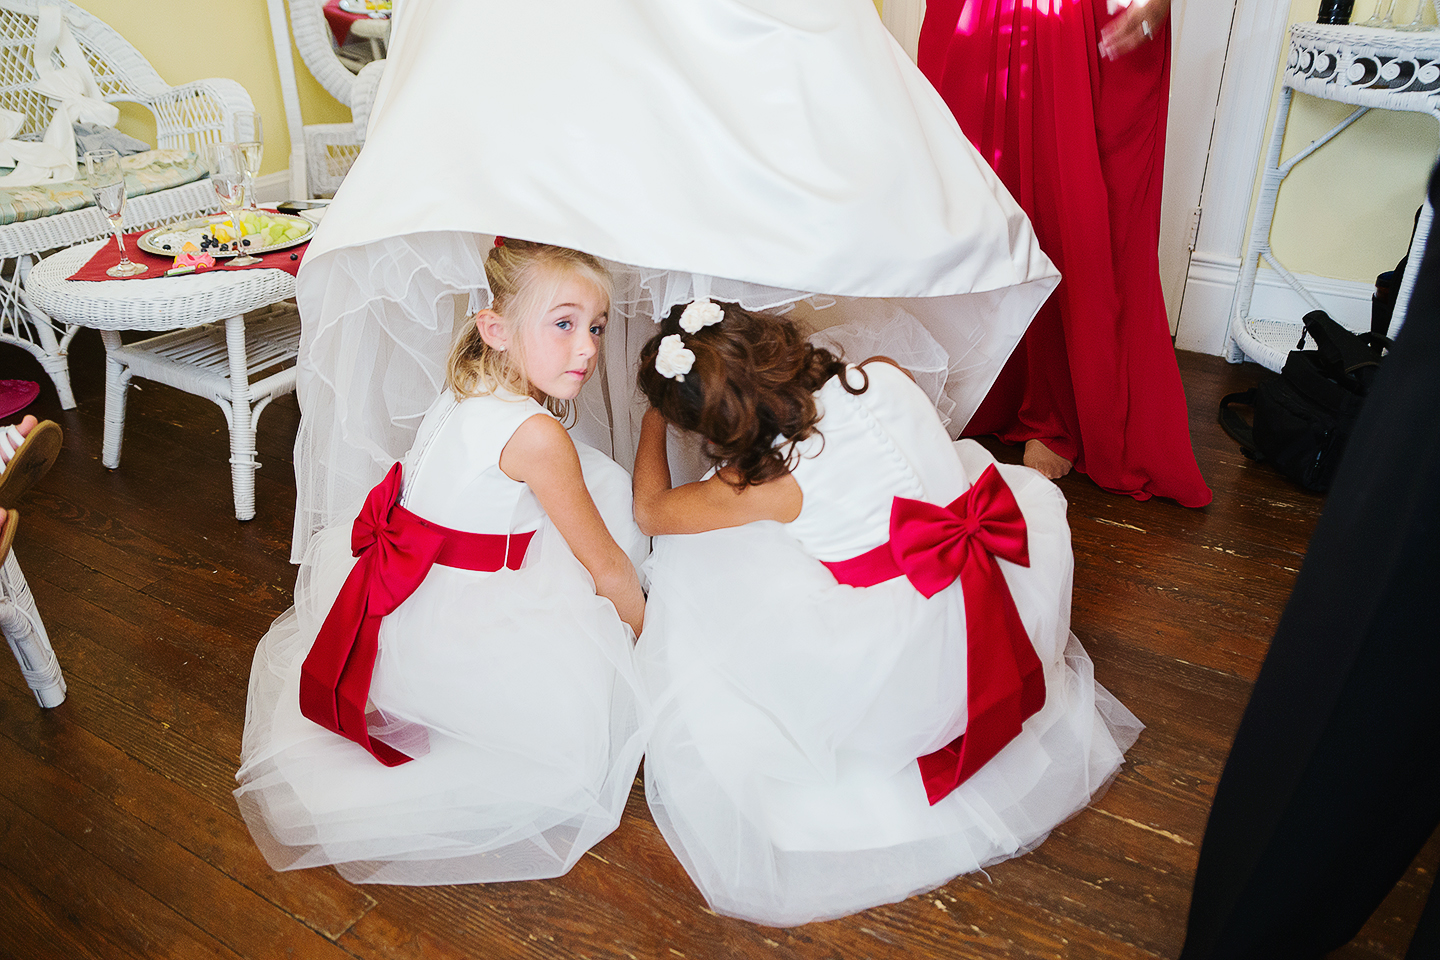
(372, 8)
(261, 232)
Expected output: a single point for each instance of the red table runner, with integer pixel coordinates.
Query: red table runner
(340, 20)
(107, 256)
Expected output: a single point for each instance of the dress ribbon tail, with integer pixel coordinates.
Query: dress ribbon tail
(394, 555)
(933, 546)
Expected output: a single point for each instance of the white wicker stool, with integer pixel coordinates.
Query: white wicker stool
(215, 351)
(1369, 69)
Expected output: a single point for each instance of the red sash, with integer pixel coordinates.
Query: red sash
(932, 546)
(396, 550)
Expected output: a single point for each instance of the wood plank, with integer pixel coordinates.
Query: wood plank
(108, 905)
(152, 860)
(33, 925)
(319, 899)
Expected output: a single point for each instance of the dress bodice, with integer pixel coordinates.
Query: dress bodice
(453, 475)
(870, 448)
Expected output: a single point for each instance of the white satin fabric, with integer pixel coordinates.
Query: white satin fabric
(763, 151)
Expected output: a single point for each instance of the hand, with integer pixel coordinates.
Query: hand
(1138, 22)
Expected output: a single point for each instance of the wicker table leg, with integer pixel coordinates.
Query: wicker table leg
(117, 384)
(54, 359)
(24, 631)
(242, 421)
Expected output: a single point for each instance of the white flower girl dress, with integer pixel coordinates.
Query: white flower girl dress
(514, 691)
(833, 731)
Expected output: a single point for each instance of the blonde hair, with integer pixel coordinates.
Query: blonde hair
(524, 278)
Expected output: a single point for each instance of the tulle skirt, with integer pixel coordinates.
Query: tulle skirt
(781, 767)
(516, 692)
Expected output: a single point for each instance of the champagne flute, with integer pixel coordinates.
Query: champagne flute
(107, 180)
(1417, 25)
(1376, 20)
(250, 138)
(227, 176)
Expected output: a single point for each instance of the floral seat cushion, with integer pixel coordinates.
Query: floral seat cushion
(147, 172)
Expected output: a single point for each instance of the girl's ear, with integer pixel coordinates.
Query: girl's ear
(493, 329)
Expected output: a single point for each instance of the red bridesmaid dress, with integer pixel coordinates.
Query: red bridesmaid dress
(1080, 143)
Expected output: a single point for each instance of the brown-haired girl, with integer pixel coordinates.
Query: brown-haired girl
(860, 655)
(499, 732)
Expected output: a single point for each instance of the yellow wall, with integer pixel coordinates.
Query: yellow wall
(185, 41)
(1347, 211)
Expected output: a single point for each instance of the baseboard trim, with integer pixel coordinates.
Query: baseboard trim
(1209, 302)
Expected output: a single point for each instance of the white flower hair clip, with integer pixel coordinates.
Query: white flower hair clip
(673, 360)
(700, 314)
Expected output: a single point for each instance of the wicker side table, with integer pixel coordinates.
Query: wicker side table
(1366, 67)
(233, 341)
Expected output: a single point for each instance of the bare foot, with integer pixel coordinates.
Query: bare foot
(1045, 461)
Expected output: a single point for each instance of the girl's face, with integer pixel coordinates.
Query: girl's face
(561, 346)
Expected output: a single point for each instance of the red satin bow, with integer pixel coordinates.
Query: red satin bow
(932, 546)
(396, 549)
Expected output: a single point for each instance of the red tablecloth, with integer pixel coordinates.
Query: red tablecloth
(340, 21)
(107, 256)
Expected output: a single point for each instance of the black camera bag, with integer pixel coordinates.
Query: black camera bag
(1303, 418)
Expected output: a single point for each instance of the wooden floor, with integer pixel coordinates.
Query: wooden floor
(119, 836)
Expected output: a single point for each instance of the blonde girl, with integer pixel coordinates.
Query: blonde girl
(460, 704)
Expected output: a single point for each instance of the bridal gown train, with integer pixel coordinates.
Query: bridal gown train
(771, 152)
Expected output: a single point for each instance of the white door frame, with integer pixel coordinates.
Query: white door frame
(1199, 39)
(1242, 118)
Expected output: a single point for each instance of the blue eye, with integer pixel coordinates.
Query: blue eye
(598, 329)
(564, 324)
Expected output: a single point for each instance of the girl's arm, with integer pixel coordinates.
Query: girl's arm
(541, 455)
(706, 505)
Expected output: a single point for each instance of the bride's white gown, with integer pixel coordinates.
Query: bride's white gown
(765, 151)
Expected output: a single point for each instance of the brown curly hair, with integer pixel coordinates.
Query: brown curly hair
(753, 380)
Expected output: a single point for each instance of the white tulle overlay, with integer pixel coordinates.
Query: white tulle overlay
(781, 767)
(515, 690)
(770, 152)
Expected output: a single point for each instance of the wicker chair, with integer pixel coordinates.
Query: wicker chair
(320, 153)
(186, 117)
(25, 633)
